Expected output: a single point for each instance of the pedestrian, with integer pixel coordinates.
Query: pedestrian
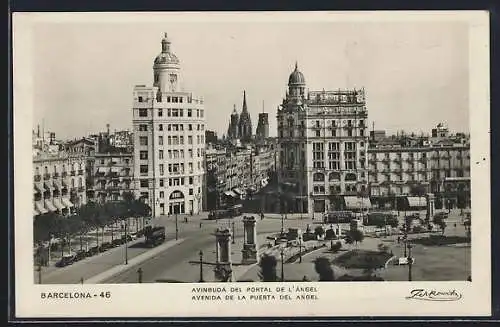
(200, 224)
(186, 219)
(399, 239)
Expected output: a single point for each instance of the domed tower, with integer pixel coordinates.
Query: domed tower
(166, 68)
(245, 123)
(296, 83)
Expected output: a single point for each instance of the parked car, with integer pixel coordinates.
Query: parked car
(105, 246)
(66, 260)
(128, 237)
(93, 250)
(117, 242)
(80, 255)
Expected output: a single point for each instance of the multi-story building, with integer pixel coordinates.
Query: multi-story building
(262, 131)
(169, 140)
(322, 142)
(414, 165)
(59, 182)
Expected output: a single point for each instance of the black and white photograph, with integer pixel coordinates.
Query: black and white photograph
(257, 158)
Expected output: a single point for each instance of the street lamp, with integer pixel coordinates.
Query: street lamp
(331, 240)
(176, 227)
(282, 265)
(39, 270)
(201, 266)
(300, 248)
(410, 262)
(233, 234)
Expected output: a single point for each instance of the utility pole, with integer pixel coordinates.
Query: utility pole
(300, 248)
(233, 234)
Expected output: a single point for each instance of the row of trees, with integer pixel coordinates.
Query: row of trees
(89, 216)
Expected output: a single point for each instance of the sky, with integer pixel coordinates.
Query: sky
(415, 74)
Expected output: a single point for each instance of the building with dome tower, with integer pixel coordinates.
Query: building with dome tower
(322, 141)
(169, 132)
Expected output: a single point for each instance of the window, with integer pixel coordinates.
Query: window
(143, 169)
(162, 171)
(160, 140)
(139, 99)
(190, 153)
(160, 154)
(144, 183)
(143, 128)
(318, 133)
(191, 191)
(181, 112)
(143, 155)
(189, 112)
(190, 180)
(143, 140)
(161, 182)
(169, 140)
(160, 112)
(162, 194)
(181, 140)
(190, 139)
(143, 112)
(190, 127)
(169, 127)
(160, 127)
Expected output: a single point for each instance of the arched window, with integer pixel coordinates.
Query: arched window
(350, 177)
(46, 169)
(334, 176)
(175, 195)
(55, 169)
(72, 183)
(80, 182)
(319, 177)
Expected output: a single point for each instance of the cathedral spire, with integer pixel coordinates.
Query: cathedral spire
(244, 101)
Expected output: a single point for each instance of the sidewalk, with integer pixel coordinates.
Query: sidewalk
(131, 263)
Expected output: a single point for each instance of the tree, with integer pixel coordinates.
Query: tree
(267, 266)
(324, 269)
(356, 235)
(439, 220)
(319, 231)
(46, 224)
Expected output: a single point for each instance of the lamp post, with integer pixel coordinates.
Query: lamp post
(300, 248)
(331, 240)
(39, 270)
(282, 266)
(410, 262)
(201, 266)
(232, 241)
(282, 224)
(125, 227)
(176, 227)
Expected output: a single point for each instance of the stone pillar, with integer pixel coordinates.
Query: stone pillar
(430, 206)
(250, 245)
(223, 268)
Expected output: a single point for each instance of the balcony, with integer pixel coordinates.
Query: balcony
(55, 175)
(387, 160)
(73, 173)
(64, 174)
(37, 178)
(81, 189)
(46, 176)
(80, 172)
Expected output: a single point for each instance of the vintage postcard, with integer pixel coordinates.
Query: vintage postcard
(251, 164)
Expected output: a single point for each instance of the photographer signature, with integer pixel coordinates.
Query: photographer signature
(433, 295)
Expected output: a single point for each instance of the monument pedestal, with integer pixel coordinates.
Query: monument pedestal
(249, 254)
(223, 270)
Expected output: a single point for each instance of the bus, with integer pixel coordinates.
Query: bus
(229, 212)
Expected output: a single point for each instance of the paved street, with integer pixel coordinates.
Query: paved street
(176, 262)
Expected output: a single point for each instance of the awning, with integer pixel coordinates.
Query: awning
(231, 193)
(67, 202)
(39, 207)
(48, 186)
(39, 187)
(57, 184)
(415, 201)
(238, 191)
(357, 203)
(58, 204)
(49, 206)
